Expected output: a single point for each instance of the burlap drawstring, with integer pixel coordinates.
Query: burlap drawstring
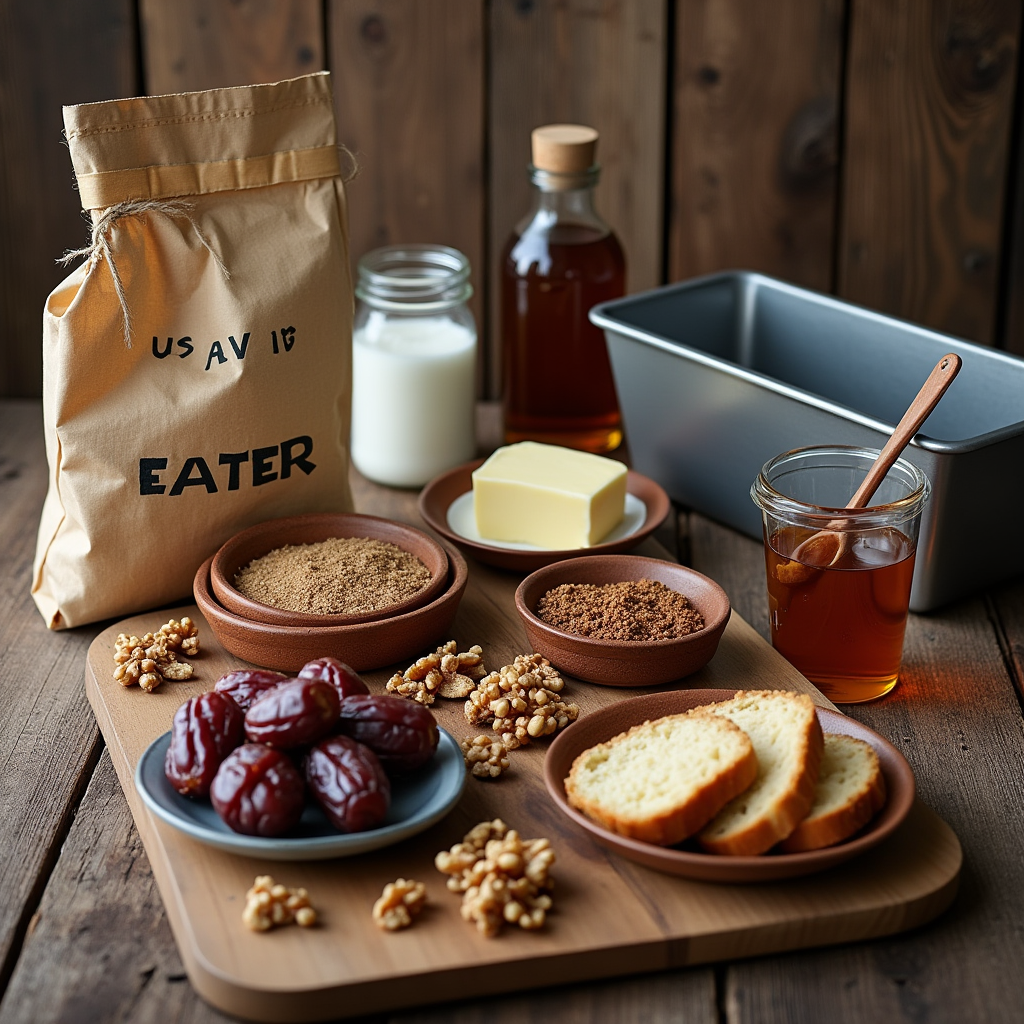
(100, 246)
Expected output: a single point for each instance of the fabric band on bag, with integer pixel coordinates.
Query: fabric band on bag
(104, 189)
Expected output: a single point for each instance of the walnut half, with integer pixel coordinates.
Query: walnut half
(485, 756)
(401, 902)
(269, 904)
(182, 637)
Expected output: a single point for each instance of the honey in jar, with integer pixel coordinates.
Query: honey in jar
(841, 623)
(839, 578)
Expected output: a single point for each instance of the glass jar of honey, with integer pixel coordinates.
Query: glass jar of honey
(839, 579)
(561, 260)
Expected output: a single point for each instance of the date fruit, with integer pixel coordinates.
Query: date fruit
(402, 734)
(258, 791)
(246, 686)
(344, 679)
(295, 713)
(206, 729)
(348, 782)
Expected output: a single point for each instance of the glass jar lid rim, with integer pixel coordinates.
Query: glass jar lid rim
(774, 501)
(415, 274)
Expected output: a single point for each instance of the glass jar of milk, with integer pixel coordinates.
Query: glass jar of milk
(413, 364)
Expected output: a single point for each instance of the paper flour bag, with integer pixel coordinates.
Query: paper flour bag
(197, 365)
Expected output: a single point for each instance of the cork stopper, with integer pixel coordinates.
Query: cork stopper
(564, 148)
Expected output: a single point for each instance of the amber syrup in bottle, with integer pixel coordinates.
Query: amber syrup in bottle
(561, 260)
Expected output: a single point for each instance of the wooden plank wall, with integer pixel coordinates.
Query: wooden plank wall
(591, 61)
(50, 54)
(755, 155)
(871, 148)
(929, 109)
(409, 88)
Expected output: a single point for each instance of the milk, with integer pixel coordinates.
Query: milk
(413, 397)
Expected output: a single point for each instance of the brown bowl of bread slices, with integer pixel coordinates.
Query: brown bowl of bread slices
(726, 786)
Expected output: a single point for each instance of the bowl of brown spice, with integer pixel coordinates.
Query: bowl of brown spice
(327, 569)
(363, 645)
(623, 620)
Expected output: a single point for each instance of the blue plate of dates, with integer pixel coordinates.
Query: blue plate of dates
(417, 802)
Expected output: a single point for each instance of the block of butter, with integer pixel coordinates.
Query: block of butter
(548, 496)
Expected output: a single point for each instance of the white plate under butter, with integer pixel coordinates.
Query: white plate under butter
(445, 491)
(462, 521)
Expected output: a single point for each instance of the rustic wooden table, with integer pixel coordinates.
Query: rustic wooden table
(83, 932)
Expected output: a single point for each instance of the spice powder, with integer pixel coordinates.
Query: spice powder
(338, 576)
(634, 610)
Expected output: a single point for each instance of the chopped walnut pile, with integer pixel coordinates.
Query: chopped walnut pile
(501, 877)
(445, 673)
(150, 659)
(182, 637)
(485, 756)
(401, 901)
(521, 701)
(269, 904)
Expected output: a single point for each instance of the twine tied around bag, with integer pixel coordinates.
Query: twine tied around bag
(99, 248)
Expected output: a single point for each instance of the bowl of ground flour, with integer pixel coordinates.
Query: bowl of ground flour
(327, 569)
(364, 646)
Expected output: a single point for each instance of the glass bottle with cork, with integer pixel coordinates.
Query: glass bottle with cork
(561, 260)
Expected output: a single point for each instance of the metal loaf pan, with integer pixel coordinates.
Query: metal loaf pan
(717, 375)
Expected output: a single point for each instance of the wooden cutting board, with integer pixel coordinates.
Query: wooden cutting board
(612, 917)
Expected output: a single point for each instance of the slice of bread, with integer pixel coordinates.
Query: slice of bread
(663, 780)
(849, 793)
(788, 742)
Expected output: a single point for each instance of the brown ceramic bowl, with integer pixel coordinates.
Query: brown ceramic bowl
(364, 646)
(624, 662)
(257, 540)
(443, 491)
(709, 867)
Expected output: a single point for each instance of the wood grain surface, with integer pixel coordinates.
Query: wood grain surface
(954, 707)
(48, 737)
(755, 156)
(50, 55)
(101, 929)
(1010, 315)
(871, 149)
(929, 101)
(409, 90)
(196, 44)
(99, 947)
(657, 920)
